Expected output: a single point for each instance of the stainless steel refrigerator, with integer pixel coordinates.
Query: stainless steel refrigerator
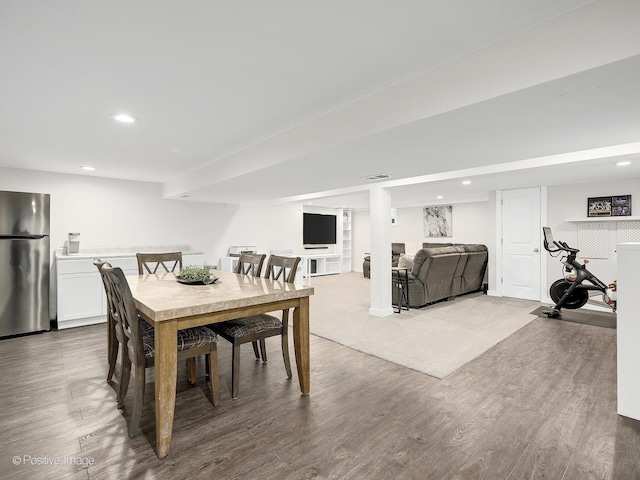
(24, 263)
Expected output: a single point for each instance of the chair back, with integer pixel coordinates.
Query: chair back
(282, 268)
(396, 250)
(250, 264)
(124, 311)
(170, 261)
(99, 263)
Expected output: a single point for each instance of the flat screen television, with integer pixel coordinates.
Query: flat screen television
(318, 229)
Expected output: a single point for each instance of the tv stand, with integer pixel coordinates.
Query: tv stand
(317, 264)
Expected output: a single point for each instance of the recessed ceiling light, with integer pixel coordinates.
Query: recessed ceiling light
(439, 197)
(185, 196)
(466, 182)
(124, 117)
(623, 163)
(88, 168)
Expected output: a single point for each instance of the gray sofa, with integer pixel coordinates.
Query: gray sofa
(444, 272)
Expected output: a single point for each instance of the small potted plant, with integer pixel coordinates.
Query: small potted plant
(196, 275)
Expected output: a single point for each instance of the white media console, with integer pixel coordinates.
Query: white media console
(311, 265)
(320, 264)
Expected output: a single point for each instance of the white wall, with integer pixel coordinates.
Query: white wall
(472, 223)
(570, 201)
(118, 213)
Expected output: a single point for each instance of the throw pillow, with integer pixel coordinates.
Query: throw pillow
(405, 261)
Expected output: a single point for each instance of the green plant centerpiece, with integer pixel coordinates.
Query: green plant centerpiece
(196, 274)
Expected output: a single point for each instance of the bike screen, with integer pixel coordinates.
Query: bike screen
(548, 237)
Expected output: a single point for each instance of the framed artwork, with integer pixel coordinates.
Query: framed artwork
(438, 221)
(621, 206)
(599, 207)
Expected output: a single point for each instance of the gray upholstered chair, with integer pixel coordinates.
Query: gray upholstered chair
(396, 250)
(138, 344)
(256, 328)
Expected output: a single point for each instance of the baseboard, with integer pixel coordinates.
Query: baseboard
(381, 312)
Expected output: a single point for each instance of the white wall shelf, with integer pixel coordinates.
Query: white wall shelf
(602, 219)
(346, 241)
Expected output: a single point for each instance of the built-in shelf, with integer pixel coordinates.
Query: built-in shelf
(346, 240)
(602, 219)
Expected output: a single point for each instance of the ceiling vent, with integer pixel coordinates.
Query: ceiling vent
(378, 176)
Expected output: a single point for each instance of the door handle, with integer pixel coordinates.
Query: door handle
(536, 250)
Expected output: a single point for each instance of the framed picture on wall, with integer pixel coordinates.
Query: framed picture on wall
(438, 221)
(599, 207)
(621, 206)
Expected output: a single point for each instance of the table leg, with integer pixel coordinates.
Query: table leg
(301, 344)
(166, 371)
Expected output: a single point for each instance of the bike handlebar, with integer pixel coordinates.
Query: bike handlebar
(548, 237)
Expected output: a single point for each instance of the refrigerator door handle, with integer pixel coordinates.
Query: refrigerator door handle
(28, 237)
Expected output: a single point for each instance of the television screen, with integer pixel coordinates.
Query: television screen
(318, 229)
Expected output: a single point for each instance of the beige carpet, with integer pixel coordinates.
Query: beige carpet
(436, 340)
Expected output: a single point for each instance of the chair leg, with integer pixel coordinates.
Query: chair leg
(255, 350)
(285, 351)
(235, 371)
(263, 350)
(138, 400)
(192, 370)
(125, 376)
(212, 361)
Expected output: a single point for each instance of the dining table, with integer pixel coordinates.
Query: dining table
(169, 305)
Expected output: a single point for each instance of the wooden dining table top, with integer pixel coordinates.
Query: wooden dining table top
(160, 297)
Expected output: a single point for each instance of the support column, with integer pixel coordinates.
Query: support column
(380, 219)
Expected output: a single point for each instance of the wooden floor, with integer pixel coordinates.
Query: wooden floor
(541, 404)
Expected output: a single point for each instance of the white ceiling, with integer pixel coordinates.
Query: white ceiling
(297, 101)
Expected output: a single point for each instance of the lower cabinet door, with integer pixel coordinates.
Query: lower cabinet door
(80, 295)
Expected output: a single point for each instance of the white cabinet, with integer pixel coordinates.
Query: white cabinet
(80, 293)
(229, 264)
(80, 296)
(320, 264)
(628, 330)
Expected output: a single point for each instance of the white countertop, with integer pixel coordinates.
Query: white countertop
(124, 252)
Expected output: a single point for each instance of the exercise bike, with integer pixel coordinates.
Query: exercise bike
(571, 292)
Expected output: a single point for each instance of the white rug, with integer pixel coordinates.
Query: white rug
(436, 340)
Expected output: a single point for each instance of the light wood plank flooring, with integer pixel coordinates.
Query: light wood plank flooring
(541, 404)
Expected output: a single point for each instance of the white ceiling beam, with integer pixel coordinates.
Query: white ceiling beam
(599, 33)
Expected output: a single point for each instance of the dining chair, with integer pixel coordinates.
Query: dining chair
(114, 337)
(250, 264)
(256, 328)
(170, 262)
(138, 338)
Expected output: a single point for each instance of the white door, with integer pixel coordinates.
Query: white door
(521, 234)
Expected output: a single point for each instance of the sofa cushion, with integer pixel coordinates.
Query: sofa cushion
(405, 261)
(475, 247)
